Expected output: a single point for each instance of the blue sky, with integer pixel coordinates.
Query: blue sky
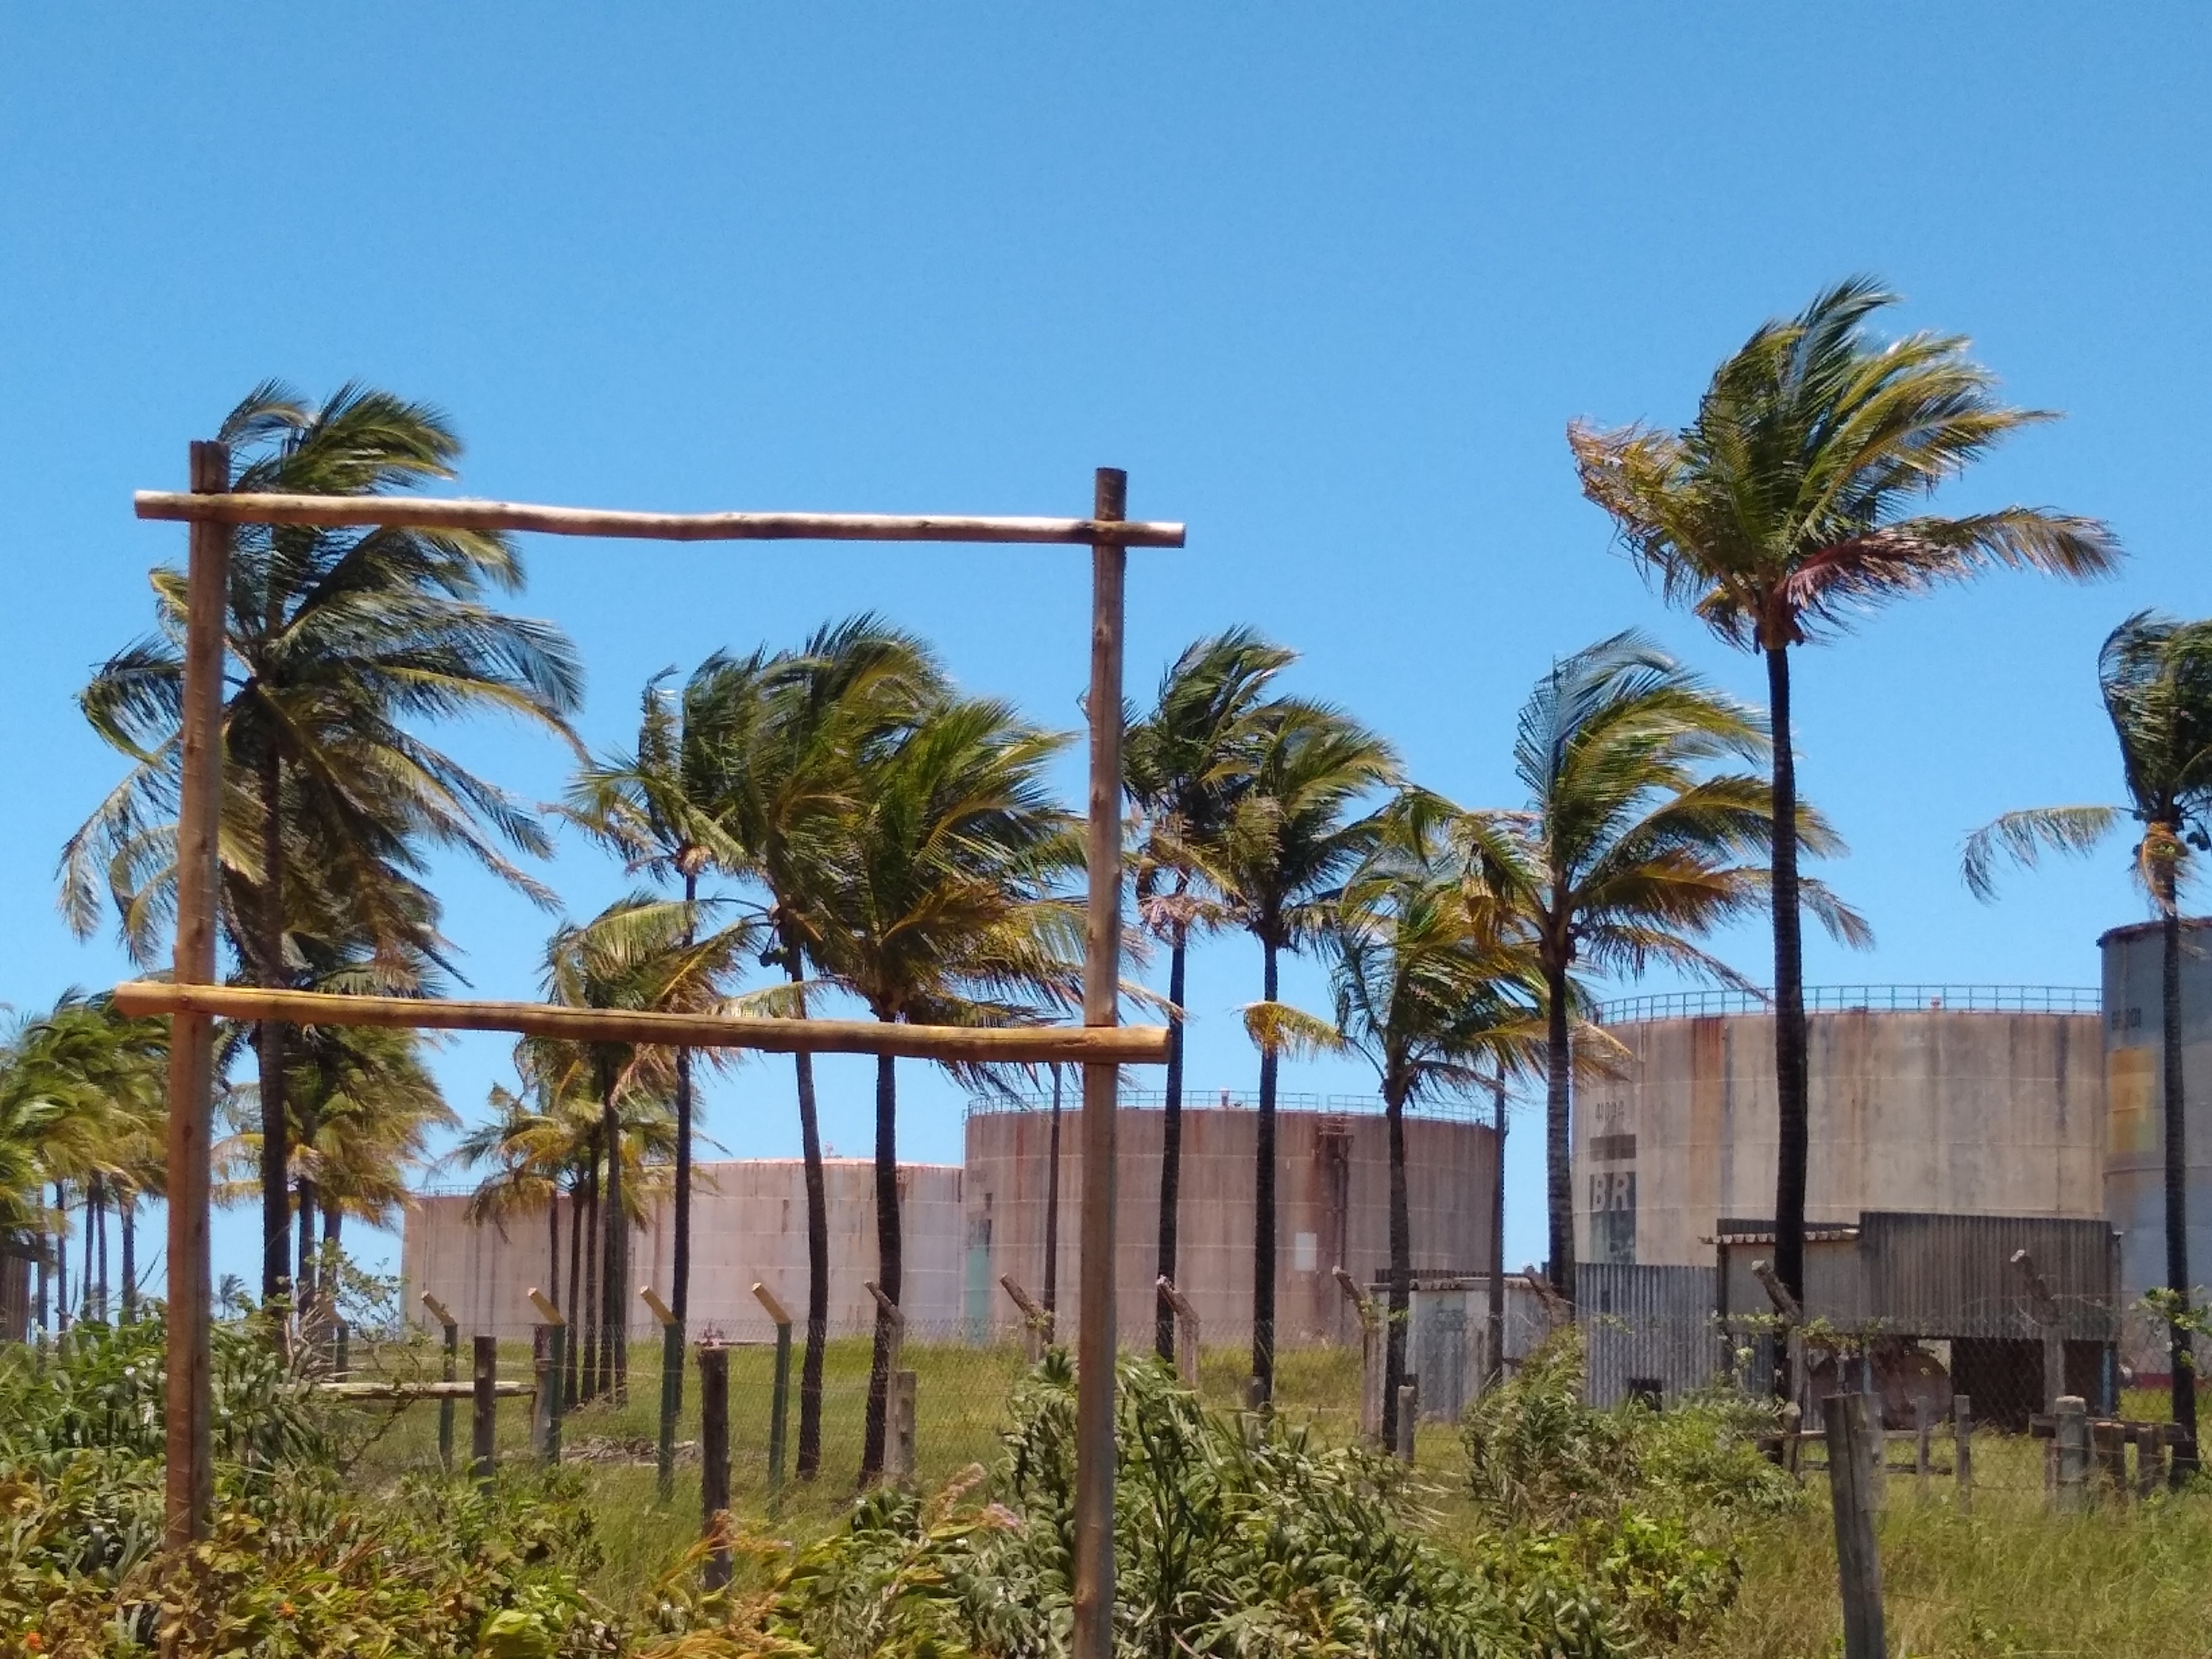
(1329, 282)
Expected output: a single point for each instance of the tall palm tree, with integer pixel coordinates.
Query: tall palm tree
(1788, 509)
(1295, 833)
(950, 911)
(1630, 847)
(647, 954)
(1437, 1004)
(1185, 764)
(342, 643)
(2155, 675)
(790, 734)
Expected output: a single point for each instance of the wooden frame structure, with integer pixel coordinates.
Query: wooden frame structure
(196, 1000)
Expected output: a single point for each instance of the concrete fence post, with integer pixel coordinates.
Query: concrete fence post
(1409, 1401)
(452, 1325)
(552, 1376)
(899, 1439)
(2073, 1437)
(1187, 1332)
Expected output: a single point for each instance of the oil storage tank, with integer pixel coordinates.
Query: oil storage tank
(1332, 1196)
(2135, 1095)
(1957, 1100)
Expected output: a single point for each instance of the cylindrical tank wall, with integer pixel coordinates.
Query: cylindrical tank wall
(2135, 1095)
(748, 1223)
(1964, 1112)
(1332, 1208)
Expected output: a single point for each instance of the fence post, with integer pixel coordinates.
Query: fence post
(440, 1312)
(1372, 1355)
(897, 1316)
(1409, 1398)
(1962, 1455)
(2150, 1443)
(714, 1459)
(1858, 1566)
(672, 1391)
(1924, 1430)
(780, 1396)
(1791, 1313)
(1793, 1425)
(1036, 1321)
(1187, 1332)
(2073, 1452)
(899, 1440)
(551, 1375)
(341, 1350)
(484, 1425)
(2111, 1442)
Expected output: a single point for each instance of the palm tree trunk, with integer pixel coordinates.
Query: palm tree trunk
(590, 1379)
(614, 1356)
(2180, 1348)
(553, 1241)
(1402, 1265)
(1792, 1081)
(679, 1269)
(308, 1197)
(96, 1215)
(575, 1305)
(1495, 1371)
(818, 1241)
(61, 1258)
(1163, 1331)
(127, 1214)
(1559, 1134)
(1263, 1207)
(889, 1261)
(1052, 1203)
(276, 1152)
(43, 1271)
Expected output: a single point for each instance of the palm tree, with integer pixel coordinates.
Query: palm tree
(1786, 509)
(949, 912)
(1436, 1004)
(2156, 675)
(1184, 764)
(342, 642)
(790, 734)
(1293, 836)
(1630, 847)
(647, 954)
(529, 1152)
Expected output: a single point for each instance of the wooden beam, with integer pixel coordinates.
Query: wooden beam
(189, 1495)
(435, 513)
(1104, 1046)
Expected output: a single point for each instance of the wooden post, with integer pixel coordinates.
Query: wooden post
(341, 1350)
(1793, 1436)
(1036, 1321)
(2150, 1445)
(1962, 1455)
(899, 1436)
(1102, 966)
(484, 1425)
(2073, 1452)
(714, 1458)
(1373, 1355)
(444, 1315)
(1409, 1399)
(1923, 1429)
(671, 1389)
(780, 1395)
(550, 1403)
(1187, 1332)
(2110, 1440)
(1858, 1566)
(189, 1492)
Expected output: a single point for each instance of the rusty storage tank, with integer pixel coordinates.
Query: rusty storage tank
(1962, 1100)
(748, 1223)
(1332, 1195)
(2135, 1135)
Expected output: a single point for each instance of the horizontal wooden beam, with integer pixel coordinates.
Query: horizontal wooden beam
(1099, 1045)
(435, 513)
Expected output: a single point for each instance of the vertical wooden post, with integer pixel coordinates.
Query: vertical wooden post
(2111, 1442)
(444, 1315)
(484, 1425)
(1962, 1455)
(189, 1492)
(2073, 1452)
(1409, 1399)
(671, 1389)
(1793, 1436)
(1858, 1566)
(899, 1451)
(1924, 1430)
(552, 1376)
(2150, 1443)
(714, 1458)
(778, 1395)
(1102, 965)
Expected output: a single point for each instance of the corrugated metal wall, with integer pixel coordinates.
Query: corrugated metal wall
(1651, 1323)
